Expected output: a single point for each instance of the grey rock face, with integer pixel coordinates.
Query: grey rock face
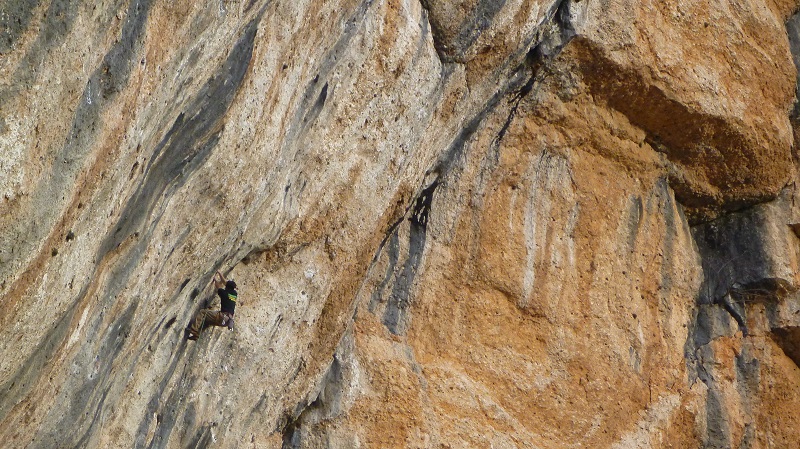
(471, 224)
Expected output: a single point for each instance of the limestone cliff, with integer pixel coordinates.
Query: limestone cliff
(474, 223)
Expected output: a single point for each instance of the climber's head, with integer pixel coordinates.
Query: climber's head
(230, 285)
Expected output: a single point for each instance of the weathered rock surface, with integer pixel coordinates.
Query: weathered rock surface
(538, 224)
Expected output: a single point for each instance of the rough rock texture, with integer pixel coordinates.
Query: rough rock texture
(509, 224)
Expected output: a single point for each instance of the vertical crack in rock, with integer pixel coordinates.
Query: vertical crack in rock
(556, 32)
(399, 277)
(396, 313)
(187, 144)
(456, 151)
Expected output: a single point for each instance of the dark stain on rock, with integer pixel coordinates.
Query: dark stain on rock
(201, 439)
(69, 159)
(748, 377)
(480, 18)
(315, 110)
(323, 95)
(734, 259)
(83, 442)
(393, 255)
(103, 85)
(56, 23)
(165, 415)
(15, 15)
(671, 225)
(307, 416)
(556, 33)
(292, 436)
(249, 6)
(635, 213)
(711, 321)
(455, 152)
(717, 431)
(188, 143)
(116, 67)
(73, 424)
(183, 284)
(793, 31)
(20, 383)
(169, 408)
(717, 428)
(395, 316)
(310, 105)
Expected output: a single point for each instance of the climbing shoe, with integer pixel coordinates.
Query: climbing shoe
(190, 335)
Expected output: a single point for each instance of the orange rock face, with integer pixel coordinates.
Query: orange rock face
(519, 224)
(716, 107)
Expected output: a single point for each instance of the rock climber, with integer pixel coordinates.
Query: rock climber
(226, 289)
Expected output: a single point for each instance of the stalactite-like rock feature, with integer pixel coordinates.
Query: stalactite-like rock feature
(544, 223)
